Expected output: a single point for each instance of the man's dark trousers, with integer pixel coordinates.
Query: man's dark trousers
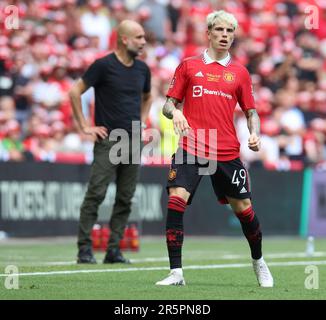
(102, 172)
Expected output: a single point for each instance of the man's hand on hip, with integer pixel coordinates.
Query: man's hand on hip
(96, 132)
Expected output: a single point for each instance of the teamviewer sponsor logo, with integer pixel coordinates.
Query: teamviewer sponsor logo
(197, 91)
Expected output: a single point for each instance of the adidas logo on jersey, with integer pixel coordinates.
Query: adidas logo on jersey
(199, 74)
(243, 190)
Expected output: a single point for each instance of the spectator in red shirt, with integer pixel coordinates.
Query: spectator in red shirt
(211, 86)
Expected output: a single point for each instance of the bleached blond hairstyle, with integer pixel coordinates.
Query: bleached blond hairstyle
(221, 15)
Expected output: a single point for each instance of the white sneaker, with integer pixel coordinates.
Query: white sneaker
(262, 272)
(175, 278)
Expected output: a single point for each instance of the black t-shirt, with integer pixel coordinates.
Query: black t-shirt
(118, 91)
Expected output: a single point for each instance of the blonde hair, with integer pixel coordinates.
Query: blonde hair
(213, 17)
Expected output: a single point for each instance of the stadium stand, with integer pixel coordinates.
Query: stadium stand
(57, 40)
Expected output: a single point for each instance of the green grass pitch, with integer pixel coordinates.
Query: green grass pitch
(215, 268)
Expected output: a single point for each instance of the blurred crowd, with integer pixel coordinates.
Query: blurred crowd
(57, 40)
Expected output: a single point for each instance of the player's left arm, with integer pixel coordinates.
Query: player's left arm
(246, 101)
(253, 123)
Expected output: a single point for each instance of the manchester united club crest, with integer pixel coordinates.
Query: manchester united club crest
(228, 76)
(172, 174)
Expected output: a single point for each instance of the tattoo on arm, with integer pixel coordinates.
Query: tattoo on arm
(253, 121)
(169, 106)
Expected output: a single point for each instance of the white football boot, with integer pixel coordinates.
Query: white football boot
(262, 272)
(175, 278)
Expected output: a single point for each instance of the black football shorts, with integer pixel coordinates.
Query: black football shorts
(230, 178)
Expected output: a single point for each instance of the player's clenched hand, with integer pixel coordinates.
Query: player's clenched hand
(254, 142)
(180, 123)
(96, 132)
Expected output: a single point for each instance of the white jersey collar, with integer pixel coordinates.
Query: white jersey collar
(224, 62)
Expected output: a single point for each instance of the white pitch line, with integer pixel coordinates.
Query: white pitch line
(59, 263)
(277, 255)
(192, 267)
(67, 263)
(160, 259)
(294, 255)
(223, 257)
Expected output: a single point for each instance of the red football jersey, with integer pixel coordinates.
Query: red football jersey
(211, 91)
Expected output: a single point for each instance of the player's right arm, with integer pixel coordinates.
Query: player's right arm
(75, 98)
(176, 94)
(171, 111)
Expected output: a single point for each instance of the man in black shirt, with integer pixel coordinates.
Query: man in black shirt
(122, 99)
